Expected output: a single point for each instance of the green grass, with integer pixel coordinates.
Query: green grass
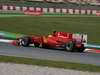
(45, 25)
(57, 64)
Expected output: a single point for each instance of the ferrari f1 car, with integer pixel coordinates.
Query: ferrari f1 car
(57, 40)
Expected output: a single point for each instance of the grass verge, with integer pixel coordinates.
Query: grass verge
(49, 63)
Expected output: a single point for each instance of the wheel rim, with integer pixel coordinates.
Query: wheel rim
(21, 42)
(69, 46)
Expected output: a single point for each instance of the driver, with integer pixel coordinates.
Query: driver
(53, 34)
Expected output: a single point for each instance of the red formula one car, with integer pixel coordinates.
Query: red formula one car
(59, 40)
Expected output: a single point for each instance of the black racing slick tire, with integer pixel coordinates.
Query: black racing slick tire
(24, 41)
(69, 46)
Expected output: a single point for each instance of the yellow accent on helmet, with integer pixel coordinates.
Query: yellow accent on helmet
(49, 35)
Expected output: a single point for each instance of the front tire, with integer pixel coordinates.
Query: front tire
(24, 41)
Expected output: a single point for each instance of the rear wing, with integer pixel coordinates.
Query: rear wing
(82, 37)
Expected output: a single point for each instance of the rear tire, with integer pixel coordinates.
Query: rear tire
(69, 46)
(24, 41)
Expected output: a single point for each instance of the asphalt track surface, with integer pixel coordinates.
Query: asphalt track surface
(48, 54)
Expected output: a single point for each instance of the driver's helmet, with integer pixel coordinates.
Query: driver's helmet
(49, 35)
(54, 33)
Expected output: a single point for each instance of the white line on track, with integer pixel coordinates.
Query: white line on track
(5, 40)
